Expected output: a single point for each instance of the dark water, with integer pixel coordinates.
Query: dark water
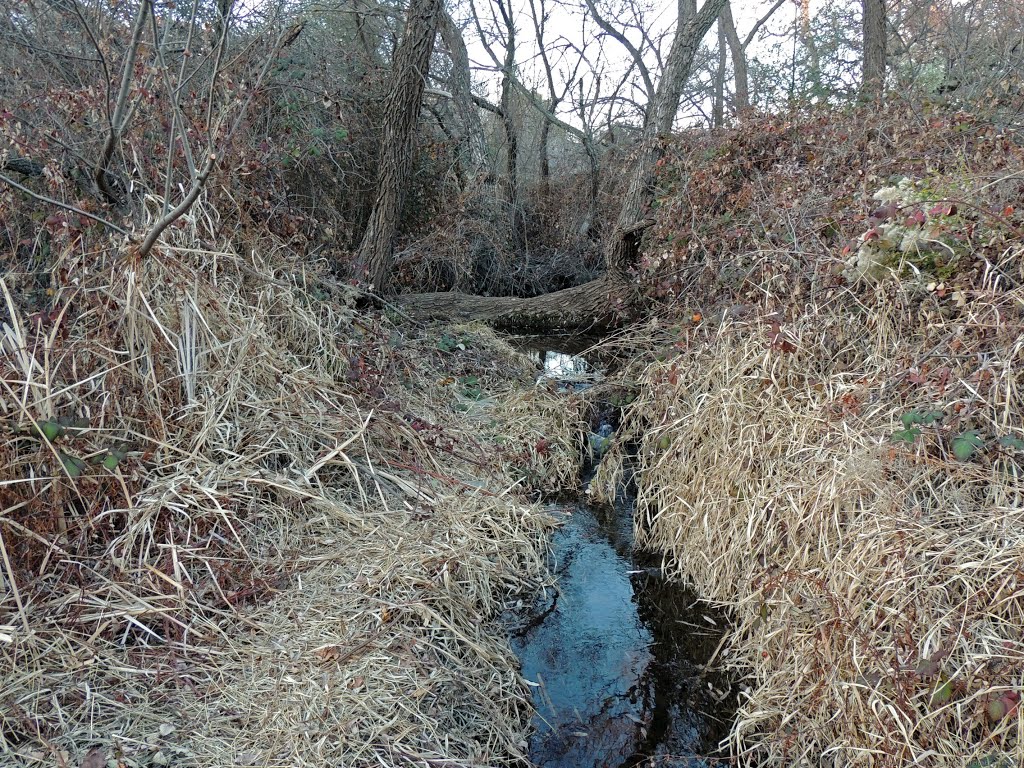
(619, 655)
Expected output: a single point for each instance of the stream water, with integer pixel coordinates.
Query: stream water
(618, 656)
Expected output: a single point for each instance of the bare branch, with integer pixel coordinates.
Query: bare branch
(761, 22)
(624, 41)
(65, 206)
(180, 209)
(115, 124)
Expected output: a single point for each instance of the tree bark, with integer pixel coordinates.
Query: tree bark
(474, 161)
(595, 306)
(509, 126)
(623, 248)
(402, 108)
(718, 106)
(738, 53)
(874, 49)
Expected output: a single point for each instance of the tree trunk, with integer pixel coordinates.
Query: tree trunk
(593, 188)
(738, 53)
(623, 248)
(402, 108)
(595, 306)
(474, 160)
(545, 161)
(874, 49)
(511, 138)
(718, 106)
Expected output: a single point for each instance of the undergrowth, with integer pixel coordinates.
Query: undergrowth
(832, 452)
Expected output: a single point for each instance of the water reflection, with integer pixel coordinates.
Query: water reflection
(618, 663)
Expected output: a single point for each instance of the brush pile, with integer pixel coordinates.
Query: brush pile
(242, 524)
(843, 468)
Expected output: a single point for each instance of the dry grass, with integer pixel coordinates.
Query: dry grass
(297, 546)
(877, 586)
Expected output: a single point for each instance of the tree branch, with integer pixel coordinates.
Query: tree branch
(115, 123)
(761, 22)
(625, 43)
(179, 210)
(65, 206)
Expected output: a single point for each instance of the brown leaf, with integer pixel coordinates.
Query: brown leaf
(94, 759)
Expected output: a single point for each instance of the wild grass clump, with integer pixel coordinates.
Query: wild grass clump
(242, 524)
(849, 485)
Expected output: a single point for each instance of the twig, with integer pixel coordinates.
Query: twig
(115, 123)
(65, 206)
(179, 210)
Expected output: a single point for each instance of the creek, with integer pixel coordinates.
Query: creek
(620, 658)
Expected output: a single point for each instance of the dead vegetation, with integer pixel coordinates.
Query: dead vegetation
(244, 525)
(840, 463)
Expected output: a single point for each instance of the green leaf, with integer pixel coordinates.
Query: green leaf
(1009, 441)
(113, 457)
(447, 343)
(966, 444)
(51, 430)
(72, 465)
(906, 435)
(910, 418)
(942, 693)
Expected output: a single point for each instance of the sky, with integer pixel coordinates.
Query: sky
(566, 35)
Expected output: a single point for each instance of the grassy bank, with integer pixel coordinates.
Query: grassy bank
(830, 437)
(244, 525)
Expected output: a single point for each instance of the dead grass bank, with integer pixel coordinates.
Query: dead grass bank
(242, 525)
(849, 485)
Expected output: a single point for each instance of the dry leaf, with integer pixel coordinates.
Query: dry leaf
(94, 759)
(328, 652)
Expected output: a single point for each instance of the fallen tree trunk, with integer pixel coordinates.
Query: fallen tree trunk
(599, 305)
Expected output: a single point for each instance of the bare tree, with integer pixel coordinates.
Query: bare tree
(475, 154)
(149, 86)
(501, 30)
(718, 104)
(738, 53)
(600, 303)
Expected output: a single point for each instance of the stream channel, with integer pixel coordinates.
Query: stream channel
(617, 655)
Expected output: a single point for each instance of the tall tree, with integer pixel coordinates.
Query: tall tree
(474, 160)
(502, 29)
(401, 112)
(622, 250)
(718, 103)
(599, 302)
(738, 53)
(874, 39)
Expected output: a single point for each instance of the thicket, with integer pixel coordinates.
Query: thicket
(829, 419)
